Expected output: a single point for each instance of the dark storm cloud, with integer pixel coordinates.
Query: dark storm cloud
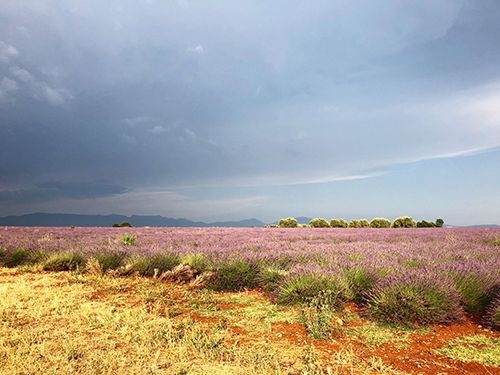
(167, 94)
(56, 190)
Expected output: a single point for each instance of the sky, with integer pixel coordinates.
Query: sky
(227, 110)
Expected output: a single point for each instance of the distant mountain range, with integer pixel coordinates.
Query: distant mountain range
(64, 220)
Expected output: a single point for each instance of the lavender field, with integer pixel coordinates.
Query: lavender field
(402, 276)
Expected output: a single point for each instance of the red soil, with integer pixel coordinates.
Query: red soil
(417, 358)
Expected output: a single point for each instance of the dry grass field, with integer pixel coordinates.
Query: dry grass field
(72, 323)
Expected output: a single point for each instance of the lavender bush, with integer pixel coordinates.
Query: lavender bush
(64, 262)
(146, 266)
(493, 314)
(413, 299)
(306, 283)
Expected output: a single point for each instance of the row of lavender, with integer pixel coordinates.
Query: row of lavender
(399, 275)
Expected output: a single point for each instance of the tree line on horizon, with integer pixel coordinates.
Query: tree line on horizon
(378, 222)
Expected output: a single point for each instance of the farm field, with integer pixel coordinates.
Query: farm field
(256, 300)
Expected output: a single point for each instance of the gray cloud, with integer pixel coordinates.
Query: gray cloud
(58, 190)
(164, 95)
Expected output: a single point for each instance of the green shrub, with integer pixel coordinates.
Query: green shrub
(380, 222)
(237, 275)
(17, 257)
(163, 262)
(110, 261)
(319, 223)
(303, 288)
(439, 223)
(198, 261)
(338, 223)
(404, 222)
(271, 277)
(476, 291)
(289, 222)
(128, 239)
(425, 224)
(357, 281)
(64, 262)
(361, 223)
(413, 299)
(124, 224)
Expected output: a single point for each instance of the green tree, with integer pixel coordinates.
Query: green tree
(404, 222)
(439, 223)
(359, 223)
(319, 223)
(338, 223)
(289, 222)
(380, 222)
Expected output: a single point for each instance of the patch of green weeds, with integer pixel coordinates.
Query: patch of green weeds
(412, 263)
(268, 312)
(197, 261)
(402, 345)
(476, 348)
(128, 239)
(252, 314)
(203, 301)
(312, 363)
(319, 317)
(374, 335)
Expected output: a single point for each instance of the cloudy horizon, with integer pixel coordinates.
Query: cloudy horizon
(231, 110)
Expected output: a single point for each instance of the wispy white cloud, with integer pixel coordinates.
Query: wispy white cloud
(139, 120)
(275, 180)
(41, 90)
(328, 179)
(22, 75)
(196, 49)
(158, 129)
(480, 105)
(7, 52)
(7, 87)
(456, 154)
